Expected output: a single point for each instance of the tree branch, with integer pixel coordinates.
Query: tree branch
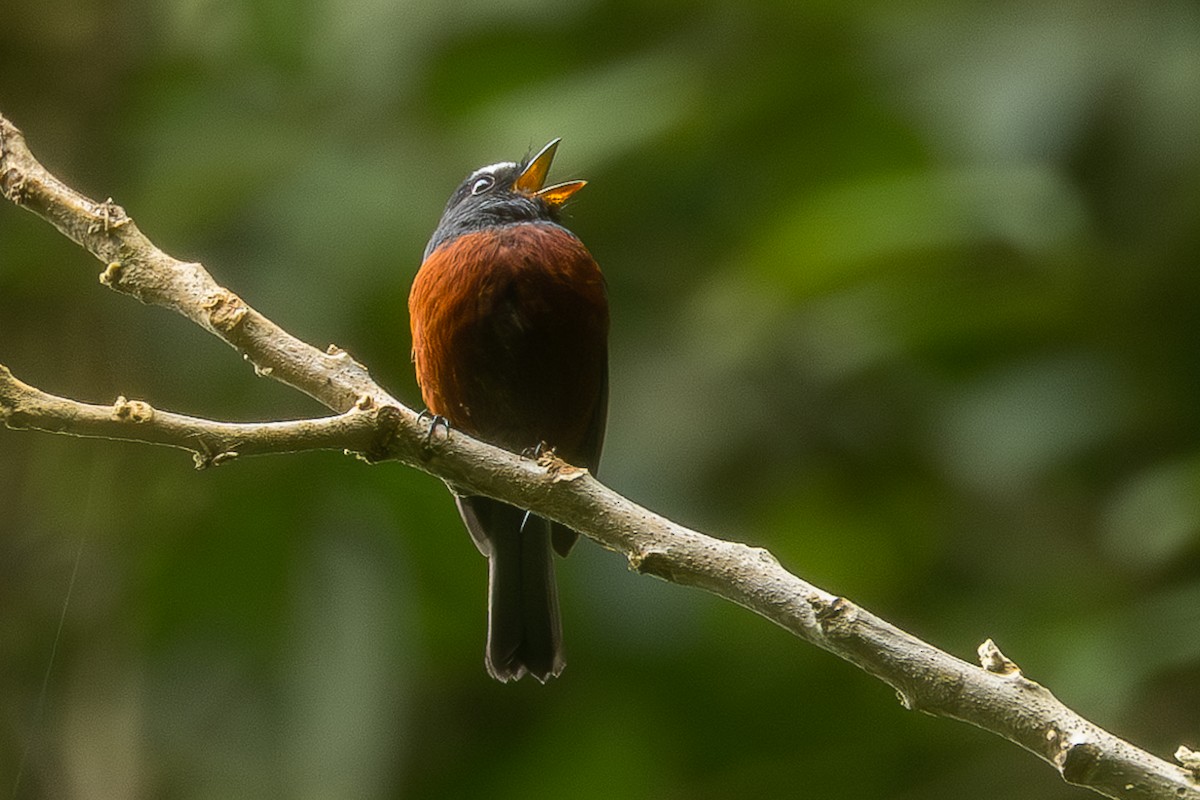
(135, 266)
(994, 696)
(211, 443)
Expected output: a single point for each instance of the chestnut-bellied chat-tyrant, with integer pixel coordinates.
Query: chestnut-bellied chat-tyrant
(510, 338)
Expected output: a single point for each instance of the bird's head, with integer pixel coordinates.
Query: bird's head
(504, 193)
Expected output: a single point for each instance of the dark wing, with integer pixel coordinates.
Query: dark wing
(561, 536)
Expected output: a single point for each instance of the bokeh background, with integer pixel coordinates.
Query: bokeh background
(908, 293)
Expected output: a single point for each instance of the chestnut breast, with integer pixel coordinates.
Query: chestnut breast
(510, 329)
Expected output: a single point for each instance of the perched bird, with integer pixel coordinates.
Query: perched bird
(509, 321)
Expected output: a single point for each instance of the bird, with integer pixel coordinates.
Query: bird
(510, 320)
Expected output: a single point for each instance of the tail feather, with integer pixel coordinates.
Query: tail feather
(524, 627)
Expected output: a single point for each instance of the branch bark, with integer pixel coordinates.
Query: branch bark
(211, 442)
(994, 696)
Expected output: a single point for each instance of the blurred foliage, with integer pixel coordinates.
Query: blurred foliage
(907, 293)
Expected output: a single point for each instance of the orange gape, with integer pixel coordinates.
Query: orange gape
(510, 338)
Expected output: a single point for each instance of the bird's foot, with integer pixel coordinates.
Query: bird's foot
(434, 420)
(536, 452)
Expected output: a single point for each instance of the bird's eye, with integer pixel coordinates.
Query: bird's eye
(482, 184)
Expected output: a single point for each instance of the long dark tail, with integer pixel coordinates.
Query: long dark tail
(524, 627)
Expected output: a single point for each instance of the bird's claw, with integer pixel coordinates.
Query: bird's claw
(434, 421)
(537, 451)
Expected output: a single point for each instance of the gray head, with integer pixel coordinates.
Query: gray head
(503, 194)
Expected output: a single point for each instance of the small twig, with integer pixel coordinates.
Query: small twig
(211, 443)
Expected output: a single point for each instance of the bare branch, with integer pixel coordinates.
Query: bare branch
(996, 696)
(211, 443)
(135, 266)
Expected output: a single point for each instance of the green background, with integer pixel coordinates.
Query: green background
(907, 293)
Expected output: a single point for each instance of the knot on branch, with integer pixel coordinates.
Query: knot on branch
(991, 659)
(12, 392)
(259, 371)
(134, 411)
(834, 617)
(108, 217)
(12, 181)
(1077, 759)
(111, 275)
(388, 420)
(652, 561)
(1190, 759)
(12, 185)
(225, 310)
(333, 351)
(995, 662)
(557, 469)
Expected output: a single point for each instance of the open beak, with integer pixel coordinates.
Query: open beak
(533, 178)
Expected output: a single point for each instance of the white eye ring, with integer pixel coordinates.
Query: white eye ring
(482, 184)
